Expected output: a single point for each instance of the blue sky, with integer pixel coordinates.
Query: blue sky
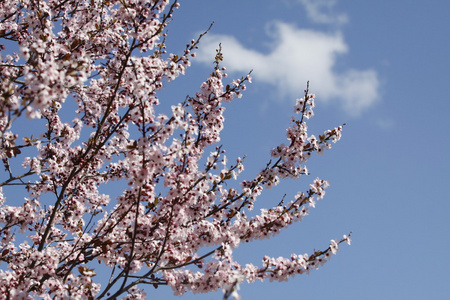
(381, 67)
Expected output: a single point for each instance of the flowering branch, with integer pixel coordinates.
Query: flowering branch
(110, 179)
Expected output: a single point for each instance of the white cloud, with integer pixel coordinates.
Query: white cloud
(321, 11)
(298, 55)
(385, 123)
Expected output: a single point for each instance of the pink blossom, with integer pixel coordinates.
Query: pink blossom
(115, 185)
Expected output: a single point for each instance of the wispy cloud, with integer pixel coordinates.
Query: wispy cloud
(322, 11)
(385, 123)
(299, 55)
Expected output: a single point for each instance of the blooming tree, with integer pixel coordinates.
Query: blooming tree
(98, 179)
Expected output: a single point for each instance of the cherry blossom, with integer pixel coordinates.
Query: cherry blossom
(109, 183)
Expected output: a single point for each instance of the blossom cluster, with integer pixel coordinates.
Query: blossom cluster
(107, 178)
